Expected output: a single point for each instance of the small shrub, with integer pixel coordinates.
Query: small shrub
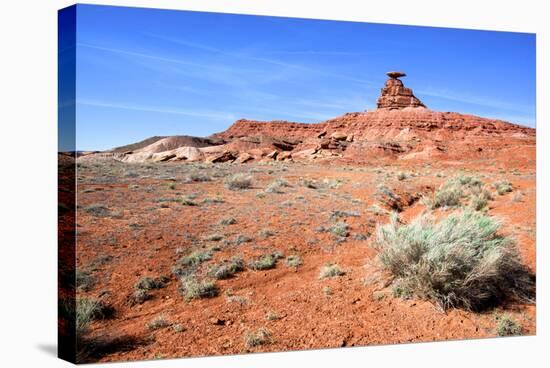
(197, 177)
(478, 203)
(332, 183)
(213, 200)
(178, 328)
(226, 270)
(139, 296)
(172, 186)
(266, 233)
(213, 237)
(196, 258)
(447, 197)
(277, 186)
(503, 187)
(238, 182)
(293, 261)
(265, 262)
(88, 310)
(157, 323)
(272, 316)
(241, 238)
(84, 280)
(98, 210)
(191, 288)
(340, 229)
(506, 326)
(330, 270)
(149, 283)
(188, 201)
(401, 176)
(310, 183)
(338, 213)
(258, 337)
(461, 261)
(327, 290)
(228, 221)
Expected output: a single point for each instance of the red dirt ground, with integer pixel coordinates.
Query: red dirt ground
(144, 237)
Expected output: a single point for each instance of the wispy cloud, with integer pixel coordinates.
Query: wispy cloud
(252, 56)
(474, 100)
(158, 109)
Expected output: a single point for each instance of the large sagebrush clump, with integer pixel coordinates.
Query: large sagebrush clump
(460, 261)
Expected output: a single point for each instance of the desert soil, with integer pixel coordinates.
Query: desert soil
(143, 228)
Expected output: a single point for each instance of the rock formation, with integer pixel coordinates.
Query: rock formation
(400, 128)
(395, 95)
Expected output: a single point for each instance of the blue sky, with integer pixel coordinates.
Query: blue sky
(145, 72)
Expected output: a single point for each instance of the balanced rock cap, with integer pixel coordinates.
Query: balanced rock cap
(395, 75)
(395, 95)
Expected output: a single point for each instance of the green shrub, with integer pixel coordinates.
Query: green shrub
(339, 229)
(503, 187)
(460, 261)
(196, 258)
(227, 269)
(451, 193)
(265, 262)
(191, 288)
(293, 261)
(447, 197)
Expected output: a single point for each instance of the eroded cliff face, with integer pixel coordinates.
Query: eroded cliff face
(400, 124)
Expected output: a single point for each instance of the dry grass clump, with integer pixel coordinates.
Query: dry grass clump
(238, 182)
(503, 187)
(98, 210)
(258, 337)
(293, 261)
(191, 288)
(330, 270)
(88, 310)
(157, 323)
(265, 262)
(143, 286)
(506, 326)
(340, 229)
(309, 183)
(451, 193)
(197, 177)
(228, 221)
(460, 261)
(226, 270)
(84, 280)
(277, 186)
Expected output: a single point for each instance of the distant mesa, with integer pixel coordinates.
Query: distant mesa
(401, 128)
(396, 96)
